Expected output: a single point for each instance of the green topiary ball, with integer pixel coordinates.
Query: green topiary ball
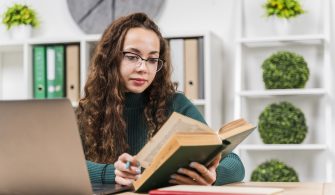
(282, 123)
(274, 171)
(285, 70)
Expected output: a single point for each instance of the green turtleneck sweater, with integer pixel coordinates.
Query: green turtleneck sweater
(230, 169)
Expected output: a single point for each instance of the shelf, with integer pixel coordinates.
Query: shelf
(270, 147)
(11, 47)
(52, 40)
(282, 92)
(282, 41)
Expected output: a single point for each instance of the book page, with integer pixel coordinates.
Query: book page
(176, 123)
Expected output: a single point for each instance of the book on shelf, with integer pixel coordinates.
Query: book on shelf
(215, 190)
(182, 140)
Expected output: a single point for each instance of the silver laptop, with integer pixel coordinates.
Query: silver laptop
(41, 151)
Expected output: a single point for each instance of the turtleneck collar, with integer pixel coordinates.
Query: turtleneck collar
(134, 100)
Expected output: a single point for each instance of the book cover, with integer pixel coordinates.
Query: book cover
(185, 140)
(39, 65)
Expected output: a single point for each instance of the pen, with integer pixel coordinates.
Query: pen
(127, 164)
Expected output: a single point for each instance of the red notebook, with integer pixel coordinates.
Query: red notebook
(215, 190)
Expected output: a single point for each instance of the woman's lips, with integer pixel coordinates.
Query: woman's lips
(138, 81)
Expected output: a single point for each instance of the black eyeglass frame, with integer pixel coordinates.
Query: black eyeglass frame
(146, 60)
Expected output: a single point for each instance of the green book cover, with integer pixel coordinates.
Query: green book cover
(39, 66)
(181, 158)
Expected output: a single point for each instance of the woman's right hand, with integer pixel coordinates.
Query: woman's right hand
(127, 169)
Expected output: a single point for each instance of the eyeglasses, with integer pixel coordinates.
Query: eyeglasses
(153, 64)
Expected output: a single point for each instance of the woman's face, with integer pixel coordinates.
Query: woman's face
(138, 74)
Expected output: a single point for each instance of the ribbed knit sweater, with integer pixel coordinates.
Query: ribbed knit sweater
(229, 170)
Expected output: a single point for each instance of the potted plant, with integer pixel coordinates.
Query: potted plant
(19, 20)
(282, 11)
(282, 123)
(285, 70)
(274, 171)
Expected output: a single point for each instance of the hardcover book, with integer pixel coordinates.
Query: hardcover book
(183, 140)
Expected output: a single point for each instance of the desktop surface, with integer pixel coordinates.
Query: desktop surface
(290, 188)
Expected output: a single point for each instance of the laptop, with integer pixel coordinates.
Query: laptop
(41, 150)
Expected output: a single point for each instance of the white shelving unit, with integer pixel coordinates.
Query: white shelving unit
(16, 75)
(312, 159)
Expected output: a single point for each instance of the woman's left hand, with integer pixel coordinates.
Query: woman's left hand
(202, 175)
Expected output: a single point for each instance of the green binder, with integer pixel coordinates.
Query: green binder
(39, 65)
(60, 74)
(55, 71)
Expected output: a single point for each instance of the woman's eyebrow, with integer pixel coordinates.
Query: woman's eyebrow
(132, 49)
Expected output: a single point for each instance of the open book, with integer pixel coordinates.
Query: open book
(183, 140)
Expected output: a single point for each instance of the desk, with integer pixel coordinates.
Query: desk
(296, 188)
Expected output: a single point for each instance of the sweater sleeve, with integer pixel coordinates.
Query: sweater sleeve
(230, 170)
(101, 173)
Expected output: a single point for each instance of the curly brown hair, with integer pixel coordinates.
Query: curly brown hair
(100, 111)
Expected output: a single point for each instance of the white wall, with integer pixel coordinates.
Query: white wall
(218, 16)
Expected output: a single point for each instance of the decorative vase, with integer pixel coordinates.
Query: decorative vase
(20, 32)
(281, 26)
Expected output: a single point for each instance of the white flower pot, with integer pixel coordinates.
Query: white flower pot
(20, 32)
(282, 26)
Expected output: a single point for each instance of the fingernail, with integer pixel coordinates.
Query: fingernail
(138, 164)
(192, 164)
(173, 176)
(171, 181)
(138, 171)
(180, 170)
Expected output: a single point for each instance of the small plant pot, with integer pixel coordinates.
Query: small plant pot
(20, 32)
(282, 26)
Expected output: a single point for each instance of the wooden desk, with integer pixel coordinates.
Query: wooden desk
(296, 188)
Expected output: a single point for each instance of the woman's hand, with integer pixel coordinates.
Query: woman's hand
(202, 175)
(127, 169)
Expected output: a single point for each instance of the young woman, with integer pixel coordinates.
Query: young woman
(128, 97)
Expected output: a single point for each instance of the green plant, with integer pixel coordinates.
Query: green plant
(20, 14)
(283, 8)
(274, 171)
(282, 123)
(285, 70)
